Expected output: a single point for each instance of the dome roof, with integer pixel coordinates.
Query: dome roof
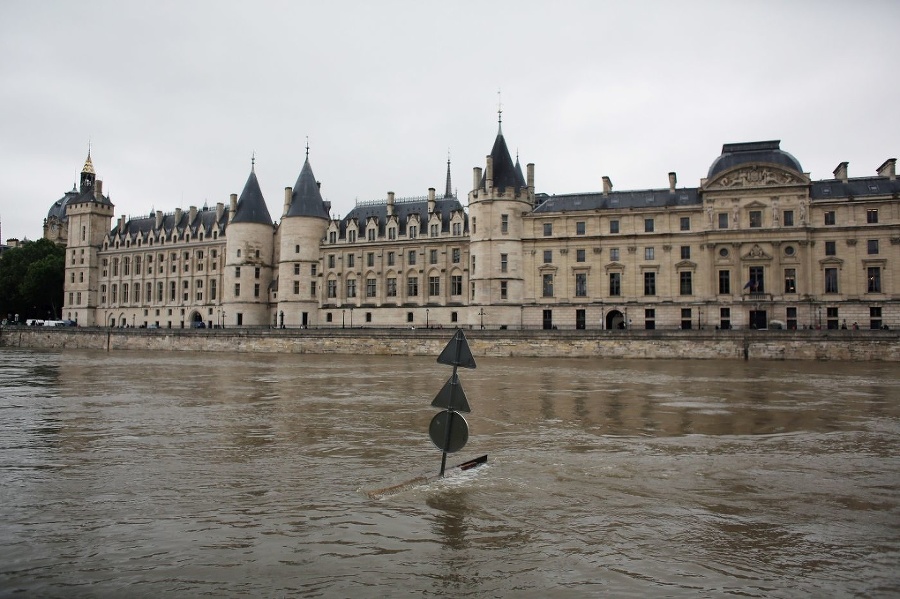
(767, 152)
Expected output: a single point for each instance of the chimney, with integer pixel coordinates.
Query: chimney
(888, 169)
(529, 177)
(177, 217)
(489, 175)
(607, 186)
(841, 172)
(672, 181)
(431, 202)
(288, 193)
(192, 215)
(98, 189)
(159, 219)
(390, 203)
(232, 206)
(220, 210)
(476, 177)
(121, 224)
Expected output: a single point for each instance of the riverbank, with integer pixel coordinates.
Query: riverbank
(655, 344)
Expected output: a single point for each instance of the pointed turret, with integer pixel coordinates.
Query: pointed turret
(251, 206)
(504, 172)
(306, 199)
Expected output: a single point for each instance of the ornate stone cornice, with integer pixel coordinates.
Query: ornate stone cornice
(755, 176)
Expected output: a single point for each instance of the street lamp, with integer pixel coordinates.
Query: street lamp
(223, 319)
(700, 318)
(281, 316)
(426, 318)
(351, 317)
(481, 314)
(342, 318)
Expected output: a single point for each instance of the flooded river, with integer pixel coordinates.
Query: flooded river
(136, 474)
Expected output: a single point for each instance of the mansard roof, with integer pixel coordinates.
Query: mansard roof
(251, 206)
(505, 172)
(766, 152)
(205, 221)
(403, 209)
(306, 199)
(860, 187)
(58, 208)
(616, 200)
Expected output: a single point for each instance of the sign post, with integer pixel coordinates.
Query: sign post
(448, 430)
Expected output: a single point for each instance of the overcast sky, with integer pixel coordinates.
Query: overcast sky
(174, 97)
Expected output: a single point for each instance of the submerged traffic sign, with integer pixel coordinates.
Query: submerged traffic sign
(451, 396)
(449, 431)
(457, 352)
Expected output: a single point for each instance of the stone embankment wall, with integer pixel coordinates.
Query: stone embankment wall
(733, 345)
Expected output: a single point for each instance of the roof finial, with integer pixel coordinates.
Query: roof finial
(253, 162)
(448, 191)
(307, 147)
(499, 109)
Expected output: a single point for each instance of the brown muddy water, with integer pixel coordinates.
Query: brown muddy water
(137, 474)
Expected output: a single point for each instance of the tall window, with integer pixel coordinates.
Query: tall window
(788, 218)
(685, 223)
(412, 286)
(392, 233)
(256, 290)
(351, 260)
(432, 256)
(455, 255)
(872, 246)
(686, 282)
(391, 258)
(614, 254)
(434, 286)
(724, 282)
(580, 284)
(649, 283)
(831, 280)
(790, 280)
(456, 285)
(579, 256)
(351, 288)
(755, 219)
(413, 232)
(503, 290)
(411, 257)
(370, 259)
(649, 253)
(615, 283)
(873, 277)
(872, 216)
(756, 282)
(579, 227)
(614, 226)
(504, 262)
(504, 223)
(351, 236)
(648, 225)
(725, 318)
(433, 230)
(829, 217)
(212, 289)
(548, 256)
(723, 220)
(548, 285)
(548, 229)
(331, 289)
(830, 248)
(685, 252)
(370, 287)
(392, 287)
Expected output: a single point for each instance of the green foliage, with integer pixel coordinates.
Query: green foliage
(31, 280)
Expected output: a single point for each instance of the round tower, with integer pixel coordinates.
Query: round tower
(499, 197)
(302, 228)
(249, 259)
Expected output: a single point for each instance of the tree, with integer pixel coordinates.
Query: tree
(32, 277)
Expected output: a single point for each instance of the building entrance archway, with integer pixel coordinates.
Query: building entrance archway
(615, 320)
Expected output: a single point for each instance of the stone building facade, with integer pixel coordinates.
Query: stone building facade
(756, 244)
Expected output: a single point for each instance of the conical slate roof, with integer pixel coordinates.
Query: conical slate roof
(505, 173)
(306, 199)
(251, 206)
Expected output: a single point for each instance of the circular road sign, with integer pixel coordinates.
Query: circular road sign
(459, 431)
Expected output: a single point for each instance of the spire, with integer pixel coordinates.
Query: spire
(307, 147)
(253, 162)
(505, 172)
(87, 173)
(448, 192)
(251, 207)
(306, 199)
(499, 114)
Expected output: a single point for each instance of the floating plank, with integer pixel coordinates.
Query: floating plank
(421, 480)
(457, 352)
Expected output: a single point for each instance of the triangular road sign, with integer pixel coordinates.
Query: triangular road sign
(451, 396)
(457, 352)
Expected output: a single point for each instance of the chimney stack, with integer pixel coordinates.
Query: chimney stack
(220, 210)
(98, 189)
(177, 217)
(607, 186)
(159, 219)
(841, 172)
(431, 202)
(888, 169)
(192, 215)
(390, 203)
(288, 192)
(672, 181)
(232, 206)
(476, 177)
(529, 177)
(489, 175)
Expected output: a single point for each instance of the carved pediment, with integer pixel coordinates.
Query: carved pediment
(831, 261)
(756, 204)
(686, 264)
(756, 253)
(615, 266)
(755, 176)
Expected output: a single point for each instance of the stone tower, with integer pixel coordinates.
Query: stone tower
(300, 233)
(249, 258)
(499, 198)
(89, 215)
